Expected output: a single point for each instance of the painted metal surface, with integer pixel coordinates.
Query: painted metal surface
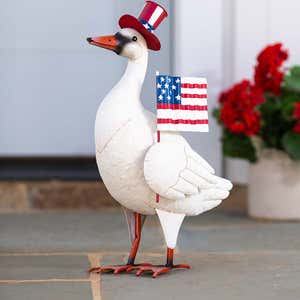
(125, 132)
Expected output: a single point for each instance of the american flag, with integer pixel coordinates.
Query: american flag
(181, 103)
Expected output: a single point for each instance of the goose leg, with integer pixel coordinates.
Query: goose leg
(159, 269)
(171, 224)
(135, 223)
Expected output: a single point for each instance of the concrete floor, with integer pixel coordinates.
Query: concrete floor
(46, 255)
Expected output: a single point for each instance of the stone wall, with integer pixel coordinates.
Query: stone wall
(25, 196)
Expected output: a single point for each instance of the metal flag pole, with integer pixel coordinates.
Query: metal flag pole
(157, 136)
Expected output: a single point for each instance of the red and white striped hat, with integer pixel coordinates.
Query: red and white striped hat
(150, 18)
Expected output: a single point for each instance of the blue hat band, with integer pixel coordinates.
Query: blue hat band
(147, 25)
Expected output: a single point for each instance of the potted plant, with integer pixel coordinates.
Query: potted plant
(261, 123)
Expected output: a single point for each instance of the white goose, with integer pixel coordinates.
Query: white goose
(134, 167)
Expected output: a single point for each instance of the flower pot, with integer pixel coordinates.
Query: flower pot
(274, 187)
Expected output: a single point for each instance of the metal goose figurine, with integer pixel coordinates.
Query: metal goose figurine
(135, 168)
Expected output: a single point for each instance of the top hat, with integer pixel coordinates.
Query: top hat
(149, 19)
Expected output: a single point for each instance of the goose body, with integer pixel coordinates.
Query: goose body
(121, 146)
(129, 158)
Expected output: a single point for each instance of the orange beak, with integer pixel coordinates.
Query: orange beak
(107, 42)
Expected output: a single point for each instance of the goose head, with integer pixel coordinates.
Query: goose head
(127, 42)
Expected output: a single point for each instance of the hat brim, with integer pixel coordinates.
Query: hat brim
(128, 21)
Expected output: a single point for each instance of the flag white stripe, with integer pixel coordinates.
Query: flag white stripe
(183, 127)
(194, 101)
(193, 80)
(193, 91)
(182, 114)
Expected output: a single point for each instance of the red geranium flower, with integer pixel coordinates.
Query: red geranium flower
(297, 127)
(238, 111)
(268, 75)
(297, 110)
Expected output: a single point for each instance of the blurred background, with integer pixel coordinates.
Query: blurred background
(52, 81)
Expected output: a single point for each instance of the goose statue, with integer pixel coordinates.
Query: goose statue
(134, 167)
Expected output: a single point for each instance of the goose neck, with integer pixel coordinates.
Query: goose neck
(135, 72)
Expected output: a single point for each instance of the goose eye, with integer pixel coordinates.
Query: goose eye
(134, 38)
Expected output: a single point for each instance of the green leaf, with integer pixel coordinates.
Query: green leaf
(295, 71)
(292, 79)
(288, 106)
(238, 146)
(273, 124)
(271, 106)
(291, 143)
(216, 114)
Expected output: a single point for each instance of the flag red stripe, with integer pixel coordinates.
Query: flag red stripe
(181, 107)
(194, 96)
(193, 86)
(181, 121)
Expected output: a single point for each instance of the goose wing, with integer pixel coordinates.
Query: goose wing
(175, 171)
